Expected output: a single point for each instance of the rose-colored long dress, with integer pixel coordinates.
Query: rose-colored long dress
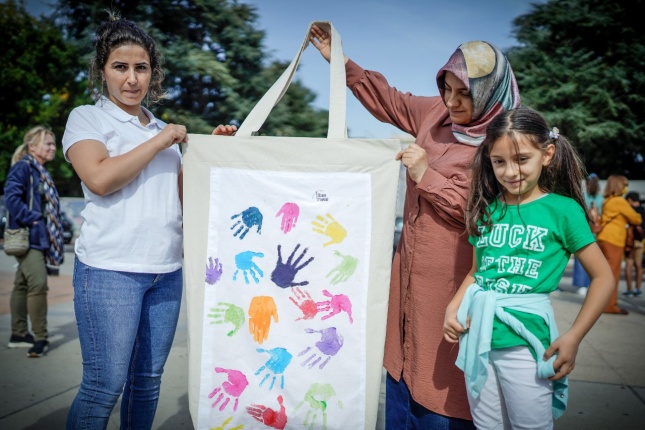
(433, 256)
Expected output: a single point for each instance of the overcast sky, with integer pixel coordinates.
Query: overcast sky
(406, 40)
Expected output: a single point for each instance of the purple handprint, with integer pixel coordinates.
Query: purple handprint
(329, 344)
(249, 218)
(213, 271)
(275, 365)
(289, 212)
(306, 304)
(336, 304)
(233, 387)
(284, 273)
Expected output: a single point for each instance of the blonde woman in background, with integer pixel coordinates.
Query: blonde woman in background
(32, 201)
(616, 214)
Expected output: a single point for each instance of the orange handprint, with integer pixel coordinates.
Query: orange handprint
(261, 310)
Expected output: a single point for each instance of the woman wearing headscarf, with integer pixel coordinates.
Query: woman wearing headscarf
(32, 201)
(424, 388)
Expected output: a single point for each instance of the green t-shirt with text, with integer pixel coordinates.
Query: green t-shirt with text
(526, 251)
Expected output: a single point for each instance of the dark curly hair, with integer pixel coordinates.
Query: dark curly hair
(117, 32)
(564, 174)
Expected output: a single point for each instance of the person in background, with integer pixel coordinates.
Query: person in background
(634, 256)
(616, 214)
(424, 388)
(593, 199)
(128, 268)
(526, 215)
(32, 201)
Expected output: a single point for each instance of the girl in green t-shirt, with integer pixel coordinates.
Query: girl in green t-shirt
(525, 217)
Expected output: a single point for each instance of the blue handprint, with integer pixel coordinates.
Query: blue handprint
(213, 270)
(284, 273)
(329, 344)
(279, 360)
(244, 262)
(247, 219)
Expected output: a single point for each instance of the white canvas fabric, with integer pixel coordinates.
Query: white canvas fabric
(288, 248)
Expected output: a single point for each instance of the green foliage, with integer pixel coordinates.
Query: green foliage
(582, 64)
(38, 85)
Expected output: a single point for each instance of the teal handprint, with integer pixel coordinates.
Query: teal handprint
(228, 313)
(244, 262)
(344, 270)
(275, 365)
(251, 217)
(317, 399)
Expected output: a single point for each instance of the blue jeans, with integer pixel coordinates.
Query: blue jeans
(126, 325)
(403, 413)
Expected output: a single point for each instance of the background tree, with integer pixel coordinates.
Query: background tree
(582, 63)
(39, 84)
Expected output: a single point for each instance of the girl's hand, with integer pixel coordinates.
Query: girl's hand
(224, 130)
(171, 134)
(321, 40)
(452, 330)
(415, 159)
(566, 347)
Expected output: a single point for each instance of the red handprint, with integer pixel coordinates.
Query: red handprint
(306, 304)
(269, 417)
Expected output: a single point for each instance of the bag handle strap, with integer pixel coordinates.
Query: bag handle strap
(31, 192)
(337, 90)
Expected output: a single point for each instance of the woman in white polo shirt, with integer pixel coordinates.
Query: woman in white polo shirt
(127, 272)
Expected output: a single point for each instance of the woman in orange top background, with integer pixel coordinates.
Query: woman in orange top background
(616, 214)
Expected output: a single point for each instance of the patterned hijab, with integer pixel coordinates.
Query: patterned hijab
(487, 74)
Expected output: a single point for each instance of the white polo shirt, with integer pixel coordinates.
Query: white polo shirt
(139, 227)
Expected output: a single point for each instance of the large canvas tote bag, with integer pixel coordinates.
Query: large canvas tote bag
(288, 248)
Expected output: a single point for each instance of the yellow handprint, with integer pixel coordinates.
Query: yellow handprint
(225, 423)
(329, 227)
(261, 309)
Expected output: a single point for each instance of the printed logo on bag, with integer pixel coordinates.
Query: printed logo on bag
(321, 196)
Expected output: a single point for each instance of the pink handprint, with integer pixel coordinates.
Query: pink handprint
(306, 304)
(329, 344)
(336, 304)
(289, 212)
(233, 387)
(269, 417)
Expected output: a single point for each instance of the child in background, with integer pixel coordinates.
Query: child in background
(525, 216)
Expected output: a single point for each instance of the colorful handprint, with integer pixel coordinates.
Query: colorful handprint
(269, 417)
(228, 313)
(290, 213)
(261, 310)
(246, 220)
(213, 270)
(344, 270)
(336, 304)
(329, 344)
(329, 227)
(230, 389)
(317, 399)
(244, 262)
(275, 365)
(284, 273)
(303, 300)
(226, 422)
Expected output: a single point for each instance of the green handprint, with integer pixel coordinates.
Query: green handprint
(330, 228)
(228, 313)
(344, 270)
(317, 399)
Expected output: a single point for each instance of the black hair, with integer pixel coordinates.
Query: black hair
(117, 32)
(563, 175)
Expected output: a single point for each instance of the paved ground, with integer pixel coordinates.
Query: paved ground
(607, 386)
